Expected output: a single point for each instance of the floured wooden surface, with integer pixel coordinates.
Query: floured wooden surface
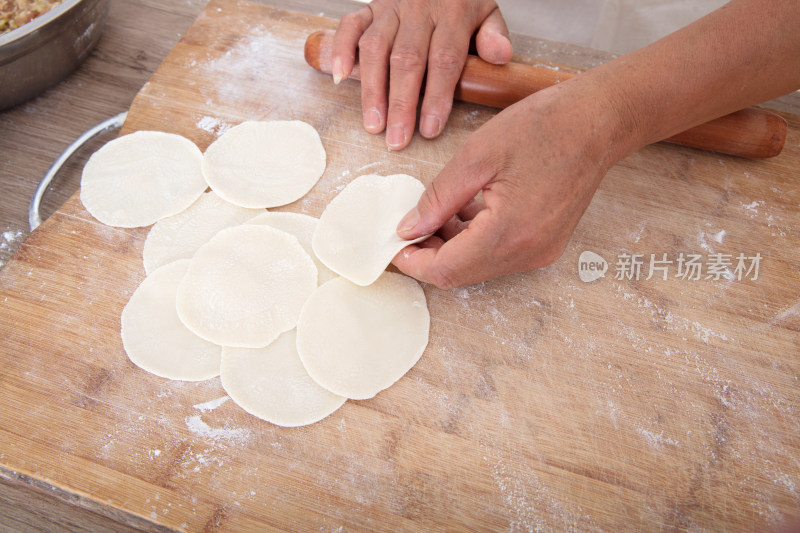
(542, 402)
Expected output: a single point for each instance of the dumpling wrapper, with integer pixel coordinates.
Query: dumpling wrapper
(154, 337)
(272, 384)
(246, 286)
(302, 227)
(356, 341)
(142, 177)
(179, 236)
(357, 233)
(265, 163)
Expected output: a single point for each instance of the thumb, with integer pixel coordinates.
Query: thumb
(454, 187)
(492, 41)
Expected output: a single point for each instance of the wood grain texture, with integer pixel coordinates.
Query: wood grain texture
(542, 402)
(25, 508)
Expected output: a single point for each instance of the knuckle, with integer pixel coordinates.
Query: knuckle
(431, 200)
(375, 5)
(444, 278)
(401, 105)
(356, 20)
(369, 94)
(436, 105)
(452, 8)
(372, 45)
(350, 19)
(447, 59)
(406, 57)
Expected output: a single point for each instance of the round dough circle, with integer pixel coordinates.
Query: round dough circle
(179, 236)
(357, 233)
(142, 177)
(246, 286)
(154, 337)
(302, 227)
(356, 341)
(265, 164)
(271, 383)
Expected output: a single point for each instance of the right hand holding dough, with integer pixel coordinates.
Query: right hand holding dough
(537, 165)
(396, 40)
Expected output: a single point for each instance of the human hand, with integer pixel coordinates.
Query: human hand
(537, 165)
(396, 39)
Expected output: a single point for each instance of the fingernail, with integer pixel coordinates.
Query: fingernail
(337, 71)
(372, 120)
(396, 136)
(430, 126)
(409, 221)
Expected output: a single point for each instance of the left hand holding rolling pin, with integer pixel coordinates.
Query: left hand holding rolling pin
(538, 162)
(406, 36)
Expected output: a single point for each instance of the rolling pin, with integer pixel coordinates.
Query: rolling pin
(750, 132)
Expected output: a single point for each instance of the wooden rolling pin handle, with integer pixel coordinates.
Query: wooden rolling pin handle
(751, 132)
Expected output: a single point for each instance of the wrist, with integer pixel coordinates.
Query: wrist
(594, 118)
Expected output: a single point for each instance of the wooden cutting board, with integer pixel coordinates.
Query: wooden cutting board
(541, 403)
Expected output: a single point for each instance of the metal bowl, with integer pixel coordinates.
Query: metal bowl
(39, 54)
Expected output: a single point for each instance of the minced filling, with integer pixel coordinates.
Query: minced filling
(15, 13)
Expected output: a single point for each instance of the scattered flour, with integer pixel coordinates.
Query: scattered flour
(7, 244)
(752, 207)
(471, 118)
(656, 440)
(673, 322)
(786, 312)
(10, 237)
(368, 166)
(252, 58)
(198, 427)
(213, 125)
(531, 505)
(775, 223)
(211, 404)
(636, 236)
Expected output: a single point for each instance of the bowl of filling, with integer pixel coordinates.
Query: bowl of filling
(42, 41)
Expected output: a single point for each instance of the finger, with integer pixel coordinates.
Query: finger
(463, 260)
(406, 259)
(448, 52)
(374, 48)
(471, 210)
(454, 187)
(452, 227)
(492, 40)
(434, 241)
(402, 259)
(407, 63)
(345, 42)
(431, 242)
